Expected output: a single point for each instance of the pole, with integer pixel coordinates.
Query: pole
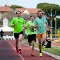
(51, 24)
(55, 25)
(51, 28)
(55, 29)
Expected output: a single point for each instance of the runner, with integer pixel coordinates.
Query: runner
(31, 33)
(1, 34)
(41, 24)
(48, 32)
(17, 23)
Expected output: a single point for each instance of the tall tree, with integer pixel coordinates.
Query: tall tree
(46, 7)
(15, 6)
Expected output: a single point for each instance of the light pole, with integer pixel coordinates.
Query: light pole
(51, 24)
(55, 28)
(55, 25)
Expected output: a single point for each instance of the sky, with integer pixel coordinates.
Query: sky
(27, 3)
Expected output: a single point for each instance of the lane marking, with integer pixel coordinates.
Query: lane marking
(15, 50)
(54, 56)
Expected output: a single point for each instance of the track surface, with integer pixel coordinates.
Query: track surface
(8, 52)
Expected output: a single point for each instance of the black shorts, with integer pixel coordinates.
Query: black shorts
(32, 38)
(16, 35)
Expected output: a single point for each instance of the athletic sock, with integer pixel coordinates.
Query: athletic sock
(40, 51)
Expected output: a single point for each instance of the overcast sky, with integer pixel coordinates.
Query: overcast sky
(27, 3)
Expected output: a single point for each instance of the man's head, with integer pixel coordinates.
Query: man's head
(39, 13)
(18, 13)
(32, 18)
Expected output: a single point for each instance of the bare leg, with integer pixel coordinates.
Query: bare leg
(32, 46)
(39, 44)
(20, 41)
(43, 39)
(17, 45)
(29, 43)
(16, 42)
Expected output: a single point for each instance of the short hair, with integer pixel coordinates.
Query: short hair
(39, 11)
(32, 16)
(18, 12)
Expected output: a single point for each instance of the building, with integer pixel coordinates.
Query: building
(4, 9)
(29, 10)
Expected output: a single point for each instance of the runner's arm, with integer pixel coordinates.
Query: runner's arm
(12, 23)
(27, 25)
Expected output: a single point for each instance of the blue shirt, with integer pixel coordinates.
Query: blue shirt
(41, 25)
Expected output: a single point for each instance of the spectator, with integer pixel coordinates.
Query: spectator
(1, 34)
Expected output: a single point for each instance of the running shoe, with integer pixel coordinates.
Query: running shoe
(19, 51)
(40, 54)
(32, 54)
(43, 47)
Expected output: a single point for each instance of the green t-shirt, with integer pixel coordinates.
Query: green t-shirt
(19, 24)
(30, 30)
(41, 25)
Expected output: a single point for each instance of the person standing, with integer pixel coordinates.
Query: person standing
(17, 23)
(48, 41)
(48, 32)
(31, 32)
(1, 34)
(41, 25)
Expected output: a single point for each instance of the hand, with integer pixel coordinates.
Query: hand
(25, 27)
(16, 23)
(32, 26)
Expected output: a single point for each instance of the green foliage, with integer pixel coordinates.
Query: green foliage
(15, 6)
(46, 7)
(58, 23)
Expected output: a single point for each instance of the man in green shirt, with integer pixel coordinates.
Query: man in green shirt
(17, 23)
(31, 32)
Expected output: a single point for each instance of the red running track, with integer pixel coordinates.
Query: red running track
(7, 52)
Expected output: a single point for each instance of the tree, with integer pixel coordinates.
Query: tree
(15, 6)
(58, 23)
(46, 7)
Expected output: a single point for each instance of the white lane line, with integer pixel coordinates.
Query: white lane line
(15, 50)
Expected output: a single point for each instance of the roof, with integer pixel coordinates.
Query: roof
(20, 9)
(5, 9)
(30, 10)
(6, 29)
(33, 10)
